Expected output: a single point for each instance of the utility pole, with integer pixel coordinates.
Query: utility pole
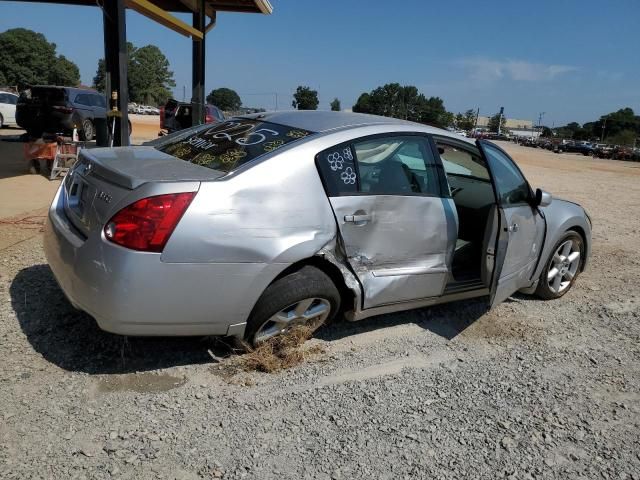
(475, 127)
(604, 125)
(500, 120)
(540, 123)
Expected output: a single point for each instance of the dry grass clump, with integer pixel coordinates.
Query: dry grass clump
(281, 352)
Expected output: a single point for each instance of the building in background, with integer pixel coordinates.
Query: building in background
(516, 127)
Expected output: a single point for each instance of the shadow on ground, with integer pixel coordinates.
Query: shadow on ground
(72, 340)
(447, 320)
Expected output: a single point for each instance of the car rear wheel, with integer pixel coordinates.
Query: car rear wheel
(306, 297)
(1, 122)
(562, 269)
(88, 131)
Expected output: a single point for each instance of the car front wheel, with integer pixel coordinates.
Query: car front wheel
(562, 268)
(306, 298)
(87, 130)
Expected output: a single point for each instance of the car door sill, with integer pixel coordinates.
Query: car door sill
(353, 316)
(459, 286)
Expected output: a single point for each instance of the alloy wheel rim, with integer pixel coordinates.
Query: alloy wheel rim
(310, 312)
(564, 266)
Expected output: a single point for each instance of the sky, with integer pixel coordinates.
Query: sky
(574, 60)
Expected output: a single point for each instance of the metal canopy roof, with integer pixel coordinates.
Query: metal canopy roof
(158, 10)
(186, 6)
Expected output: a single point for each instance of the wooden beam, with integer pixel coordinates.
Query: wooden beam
(148, 9)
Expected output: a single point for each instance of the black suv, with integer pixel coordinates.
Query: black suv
(52, 109)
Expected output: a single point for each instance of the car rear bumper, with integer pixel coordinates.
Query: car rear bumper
(135, 293)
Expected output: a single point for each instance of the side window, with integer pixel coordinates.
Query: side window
(512, 188)
(338, 170)
(98, 101)
(4, 98)
(13, 100)
(461, 162)
(81, 99)
(398, 165)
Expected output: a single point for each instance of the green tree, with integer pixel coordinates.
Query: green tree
(615, 122)
(406, 102)
(335, 105)
(225, 99)
(305, 99)
(99, 78)
(546, 132)
(466, 120)
(27, 58)
(149, 77)
(64, 72)
(3, 80)
(496, 120)
(363, 104)
(432, 112)
(625, 137)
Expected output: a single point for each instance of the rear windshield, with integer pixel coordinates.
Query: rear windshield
(45, 95)
(225, 146)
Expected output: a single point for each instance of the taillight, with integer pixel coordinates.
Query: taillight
(208, 119)
(147, 224)
(62, 109)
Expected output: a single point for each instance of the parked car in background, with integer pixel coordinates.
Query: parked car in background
(602, 150)
(52, 109)
(176, 115)
(253, 226)
(585, 148)
(8, 102)
(622, 153)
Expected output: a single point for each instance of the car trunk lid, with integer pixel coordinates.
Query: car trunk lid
(103, 178)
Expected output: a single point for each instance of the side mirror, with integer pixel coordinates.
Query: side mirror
(543, 198)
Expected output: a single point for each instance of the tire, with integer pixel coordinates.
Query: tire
(1, 122)
(308, 284)
(549, 289)
(88, 130)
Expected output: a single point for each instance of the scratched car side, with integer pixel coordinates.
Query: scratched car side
(253, 226)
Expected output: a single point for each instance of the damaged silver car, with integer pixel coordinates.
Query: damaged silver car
(255, 225)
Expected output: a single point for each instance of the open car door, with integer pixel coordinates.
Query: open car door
(520, 226)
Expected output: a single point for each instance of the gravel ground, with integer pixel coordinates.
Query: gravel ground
(531, 389)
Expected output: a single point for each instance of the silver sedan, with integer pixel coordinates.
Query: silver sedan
(252, 226)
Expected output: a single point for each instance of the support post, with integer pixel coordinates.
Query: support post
(198, 60)
(116, 60)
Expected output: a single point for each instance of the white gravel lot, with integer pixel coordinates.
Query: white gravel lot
(529, 390)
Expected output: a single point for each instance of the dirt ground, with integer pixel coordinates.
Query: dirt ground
(531, 389)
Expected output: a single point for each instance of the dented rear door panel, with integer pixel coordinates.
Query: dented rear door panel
(400, 247)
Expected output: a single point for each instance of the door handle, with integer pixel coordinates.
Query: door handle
(514, 227)
(357, 218)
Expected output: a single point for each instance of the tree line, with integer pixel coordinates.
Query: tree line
(621, 128)
(27, 58)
